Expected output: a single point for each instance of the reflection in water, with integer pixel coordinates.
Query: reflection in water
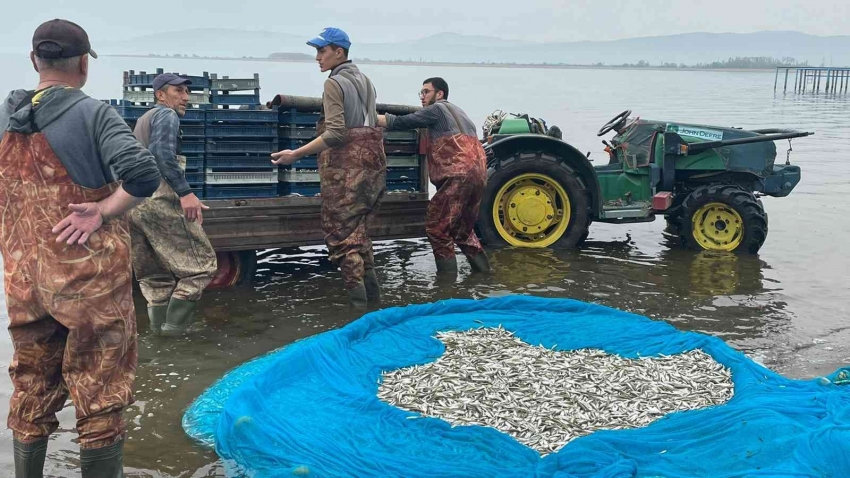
(533, 269)
(715, 273)
(723, 294)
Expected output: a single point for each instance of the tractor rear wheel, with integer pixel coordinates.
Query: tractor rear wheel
(723, 218)
(533, 200)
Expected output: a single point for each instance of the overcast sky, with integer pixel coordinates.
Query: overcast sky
(393, 20)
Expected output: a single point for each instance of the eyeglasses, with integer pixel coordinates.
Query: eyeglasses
(425, 92)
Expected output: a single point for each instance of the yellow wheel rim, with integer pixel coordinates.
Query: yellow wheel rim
(531, 210)
(718, 227)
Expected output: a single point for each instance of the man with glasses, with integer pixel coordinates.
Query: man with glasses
(352, 165)
(457, 166)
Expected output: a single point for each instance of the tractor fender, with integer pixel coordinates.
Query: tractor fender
(567, 153)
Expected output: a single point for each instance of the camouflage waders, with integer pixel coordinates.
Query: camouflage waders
(172, 257)
(353, 181)
(458, 168)
(71, 314)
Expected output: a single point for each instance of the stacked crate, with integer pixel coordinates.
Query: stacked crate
(193, 134)
(239, 144)
(403, 168)
(226, 92)
(129, 113)
(138, 88)
(302, 178)
(298, 128)
(139, 97)
(228, 139)
(192, 139)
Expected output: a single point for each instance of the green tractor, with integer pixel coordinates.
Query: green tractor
(543, 192)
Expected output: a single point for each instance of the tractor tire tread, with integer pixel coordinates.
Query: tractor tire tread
(744, 202)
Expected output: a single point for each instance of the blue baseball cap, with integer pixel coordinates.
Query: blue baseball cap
(331, 36)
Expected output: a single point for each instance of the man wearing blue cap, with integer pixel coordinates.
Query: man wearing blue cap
(172, 256)
(352, 165)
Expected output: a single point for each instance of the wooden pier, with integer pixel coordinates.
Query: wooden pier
(809, 79)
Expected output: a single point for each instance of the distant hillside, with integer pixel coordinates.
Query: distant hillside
(690, 48)
(292, 57)
(209, 42)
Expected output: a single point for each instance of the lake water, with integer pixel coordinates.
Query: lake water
(787, 307)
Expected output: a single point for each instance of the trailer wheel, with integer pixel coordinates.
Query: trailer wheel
(233, 268)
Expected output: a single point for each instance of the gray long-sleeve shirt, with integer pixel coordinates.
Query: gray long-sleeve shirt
(441, 118)
(159, 131)
(88, 136)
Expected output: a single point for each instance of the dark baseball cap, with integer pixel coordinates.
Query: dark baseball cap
(169, 79)
(61, 39)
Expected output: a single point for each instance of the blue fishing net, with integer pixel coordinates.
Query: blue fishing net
(311, 408)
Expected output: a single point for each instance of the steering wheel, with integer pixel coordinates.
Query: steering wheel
(616, 122)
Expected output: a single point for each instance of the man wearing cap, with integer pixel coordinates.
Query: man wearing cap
(69, 165)
(352, 165)
(457, 166)
(172, 256)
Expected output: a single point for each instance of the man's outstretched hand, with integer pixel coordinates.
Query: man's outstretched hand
(80, 224)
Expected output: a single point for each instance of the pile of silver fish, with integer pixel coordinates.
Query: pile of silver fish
(544, 398)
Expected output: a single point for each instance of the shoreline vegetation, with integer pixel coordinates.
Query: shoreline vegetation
(732, 64)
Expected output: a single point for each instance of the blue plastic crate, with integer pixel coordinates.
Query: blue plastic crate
(292, 144)
(193, 164)
(194, 115)
(242, 116)
(297, 132)
(310, 162)
(199, 192)
(401, 148)
(221, 99)
(403, 174)
(195, 178)
(240, 130)
(242, 146)
(226, 83)
(192, 130)
(192, 147)
(411, 186)
(131, 113)
(240, 162)
(229, 192)
(411, 161)
(401, 136)
(304, 189)
(292, 116)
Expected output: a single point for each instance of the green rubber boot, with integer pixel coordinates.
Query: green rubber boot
(446, 266)
(29, 458)
(479, 263)
(373, 287)
(180, 315)
(106, 462)
(157, 315)
(357, 297)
